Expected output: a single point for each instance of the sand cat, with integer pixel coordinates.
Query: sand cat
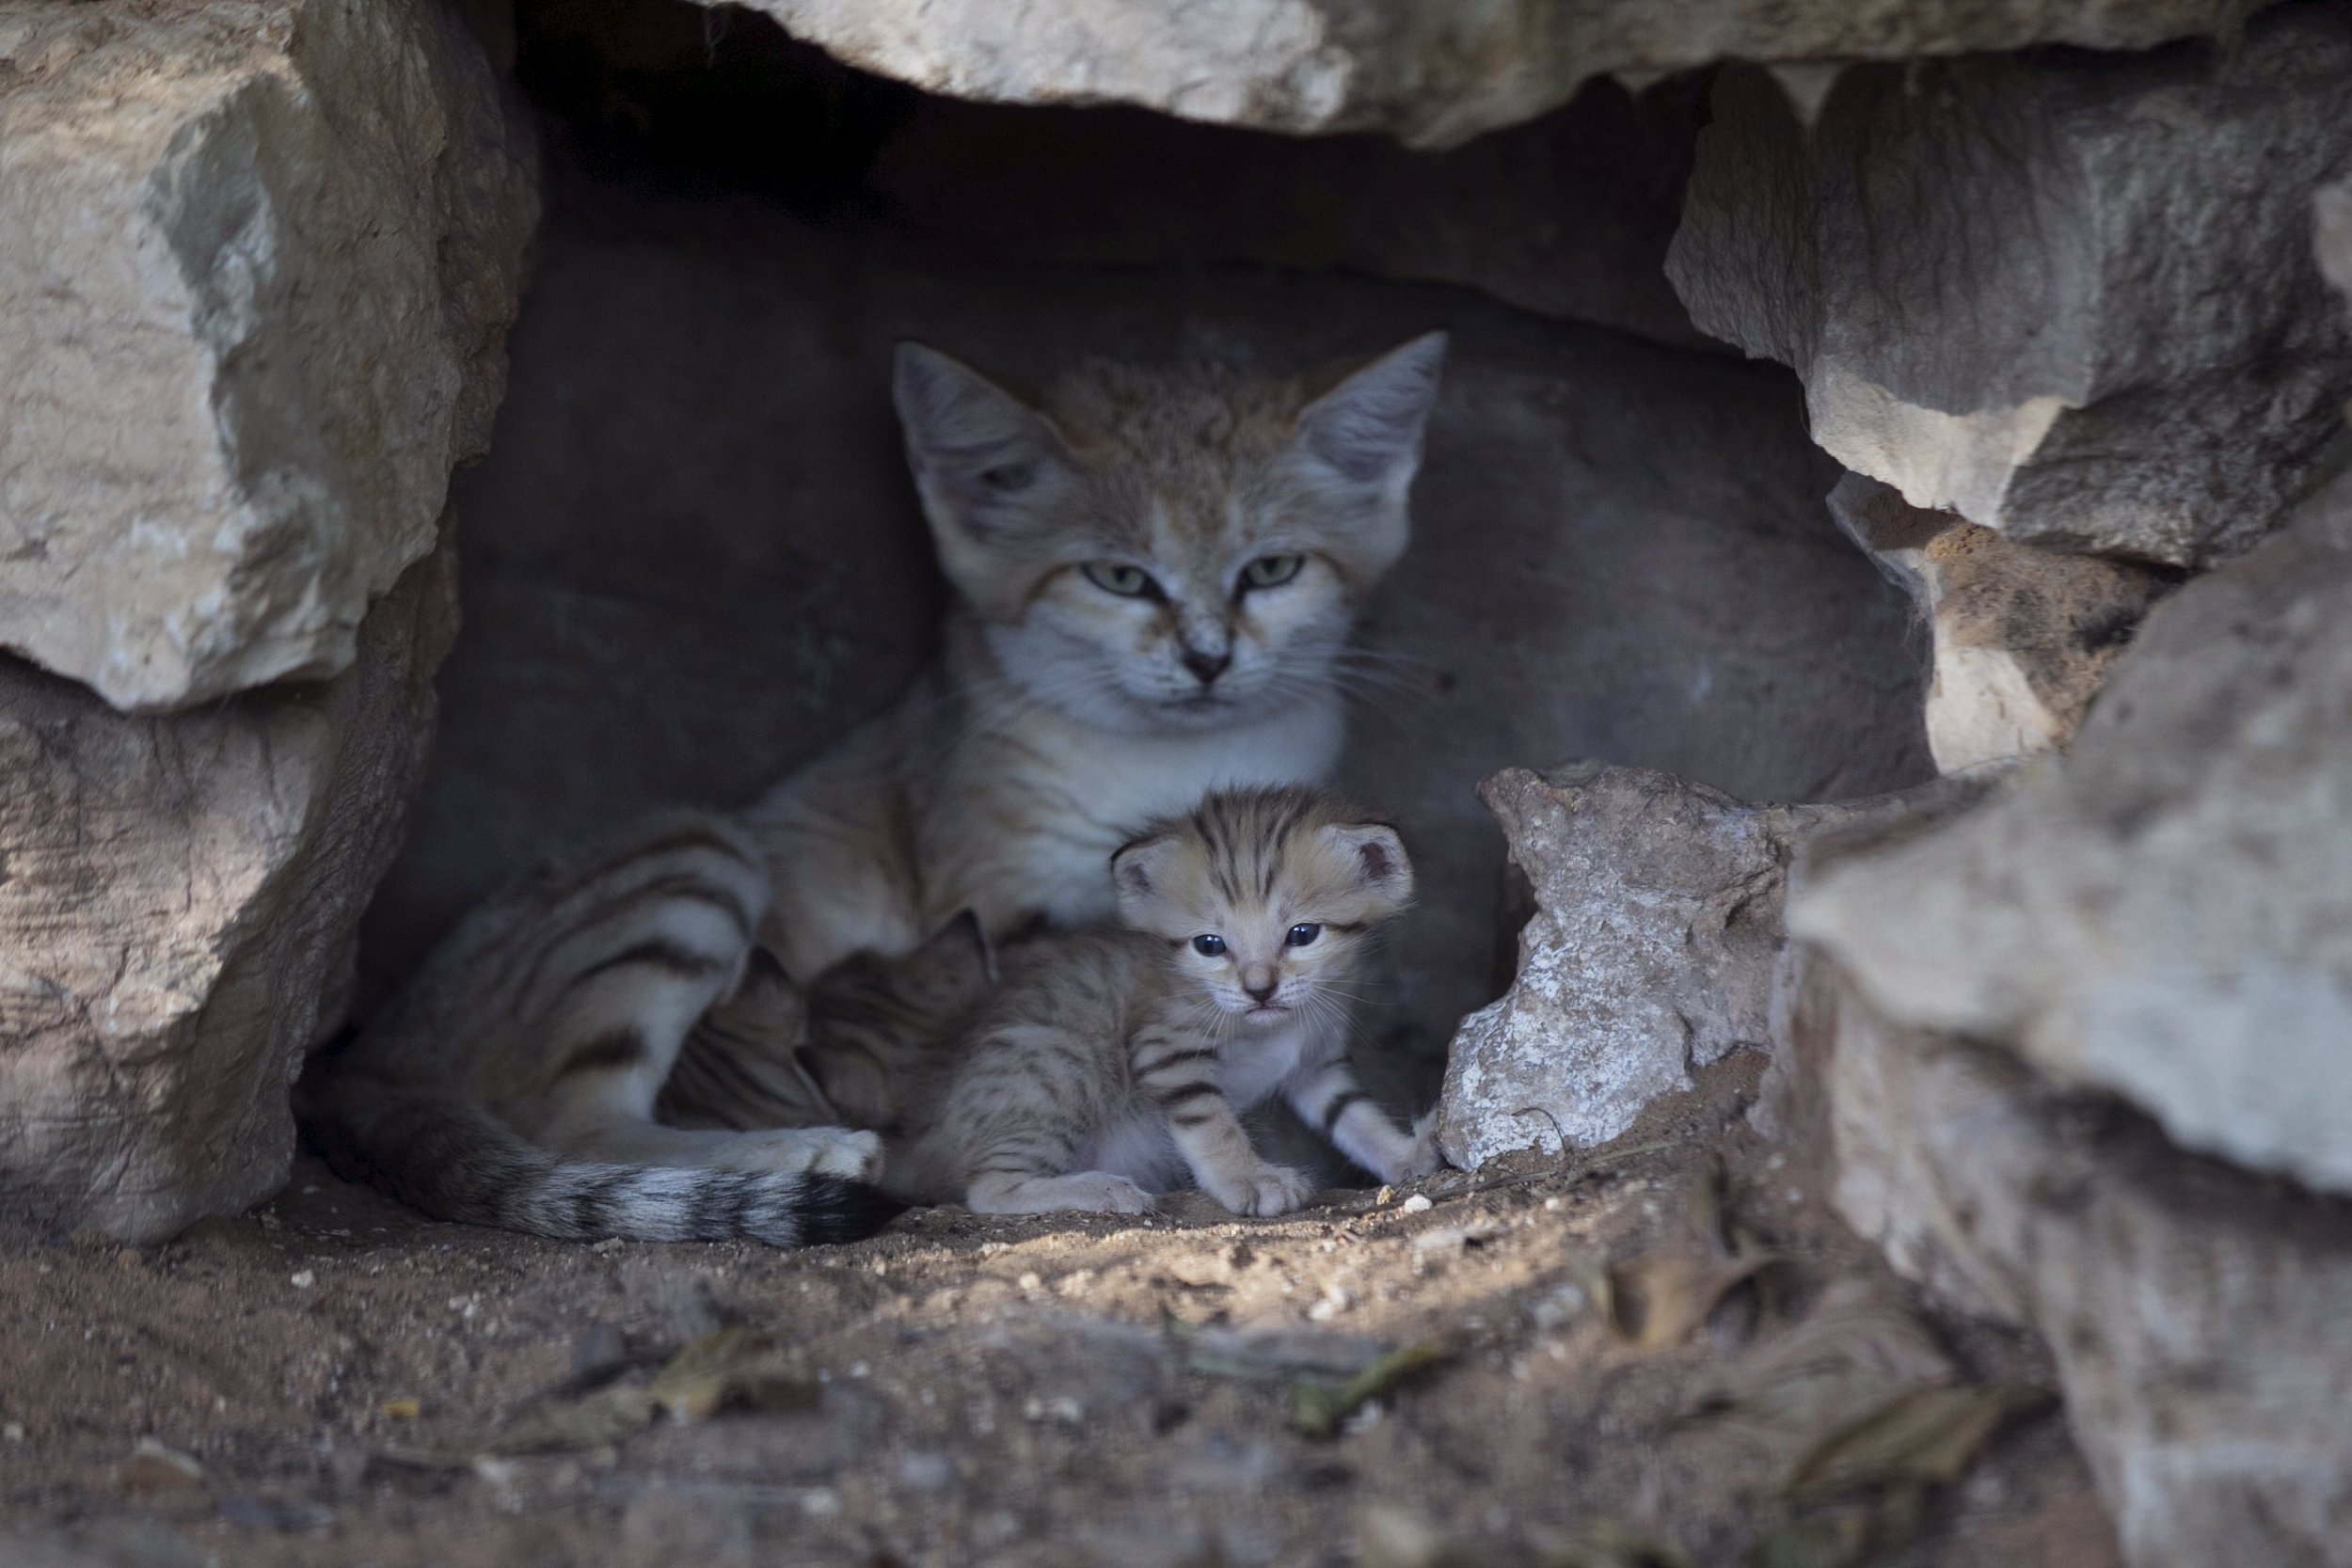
(1154, 579)
(1114, 1064)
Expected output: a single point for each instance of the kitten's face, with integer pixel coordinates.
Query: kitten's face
(1266, 898)
(1167, 553)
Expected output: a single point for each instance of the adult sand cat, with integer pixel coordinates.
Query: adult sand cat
(1154, 576)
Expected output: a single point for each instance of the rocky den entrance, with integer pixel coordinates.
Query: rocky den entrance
(434, 435)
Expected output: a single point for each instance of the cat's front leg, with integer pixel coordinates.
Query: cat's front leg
(1330, 1100)
(1179, 1075)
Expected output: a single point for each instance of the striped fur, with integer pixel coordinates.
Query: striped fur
(512, 1083)
(1114, 1064)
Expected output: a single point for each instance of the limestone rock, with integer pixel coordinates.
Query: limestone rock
(257, 258)
(1432, 74)
(2048, 292)
(179, 913)
(2022, 637)
(1650, 952)
(2197, 1315)
(2166, 912)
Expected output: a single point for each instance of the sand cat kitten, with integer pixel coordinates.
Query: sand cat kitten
(1113, 1063)
(1154, 577)
(512, 1083)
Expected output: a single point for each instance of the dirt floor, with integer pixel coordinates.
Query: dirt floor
(334, 1380)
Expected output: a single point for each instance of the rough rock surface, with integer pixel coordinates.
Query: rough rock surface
(2041, 291)
(257, 259)
(1433, 74)
(1656, 924)
(686, 574)
(2166, 912)
(2197, 1314)
(2022, 639)
(179, 914)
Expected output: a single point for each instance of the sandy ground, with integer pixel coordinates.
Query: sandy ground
(315, 1383)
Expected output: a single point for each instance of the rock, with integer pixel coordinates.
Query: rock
(179, 913)
(257, 259)
(1432, 76)
(2022, 637)
(2045, 291)
(2197, 1314)
(1652, 950)
(2167, 911)
(1044, 184)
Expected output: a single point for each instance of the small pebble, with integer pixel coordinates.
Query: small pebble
(1028, 1282)
(1417, 1204)
(13, 1431)
(302, 1279)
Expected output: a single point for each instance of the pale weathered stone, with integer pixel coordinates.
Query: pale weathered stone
(2070, 296)
(257, 259)
(2022, 638)
(1650, 950)
(2167, 911)
(179, 913)
(2200, 1318)
(1431, 73)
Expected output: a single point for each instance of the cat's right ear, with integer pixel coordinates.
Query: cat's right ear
(1138, 878)
(977, 452)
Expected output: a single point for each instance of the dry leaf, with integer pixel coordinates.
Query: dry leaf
(589, 1421)
(1919, 1437)
(155, 1471)
(1833, 1540)
(1656, 1300)
(731, 1369)
(1609, 1544)
(1318, 1408)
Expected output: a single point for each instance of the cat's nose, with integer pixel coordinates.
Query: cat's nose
(1206, 667)
(1261, 987)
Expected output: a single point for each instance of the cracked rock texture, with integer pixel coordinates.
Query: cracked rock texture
(1656, 922)
(180, 912)
(257, 259)
(2197, 1314)
(2042, 291)
(1432, 74)
(2022, 639)
(2165, 913)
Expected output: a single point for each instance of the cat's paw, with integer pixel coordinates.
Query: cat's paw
(1094, 1192)
(1264, 1189)
(1419, 1158)
(823, 1150)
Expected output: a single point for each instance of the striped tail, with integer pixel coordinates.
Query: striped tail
(457, 1162)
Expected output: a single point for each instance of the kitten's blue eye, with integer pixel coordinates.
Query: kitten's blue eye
(1271, 571)
(1303, 933)
(1116, 576)
(1209, 947)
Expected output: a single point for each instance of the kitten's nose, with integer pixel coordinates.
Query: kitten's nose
(1261, 987)
(1206, 667)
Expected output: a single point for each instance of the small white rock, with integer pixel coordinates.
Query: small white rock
(1417, 1204)
(302, 1279)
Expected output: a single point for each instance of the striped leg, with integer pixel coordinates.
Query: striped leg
(1330, 1100)
(1030, 1107)
(1178, 1072)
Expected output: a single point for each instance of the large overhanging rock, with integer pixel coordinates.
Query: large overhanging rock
(1432, 73)
(2167, 911)
(179, 914)
(2070, 297)
(1649, 951)
(257, 259)
(2197, 1314)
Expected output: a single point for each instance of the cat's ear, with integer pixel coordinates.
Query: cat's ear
(976, 451)
(1140, 872)
(959, 956)
(1375, 858)
(1368, 429)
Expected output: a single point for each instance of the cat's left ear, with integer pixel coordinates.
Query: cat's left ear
(1140, 872)
(1367, 428)
(1375, 856)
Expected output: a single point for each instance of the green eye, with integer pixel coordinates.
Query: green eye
(1271, 571)
(1128, 582)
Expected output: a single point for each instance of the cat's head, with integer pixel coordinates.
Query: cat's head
(1183, 550)
(1266, 896)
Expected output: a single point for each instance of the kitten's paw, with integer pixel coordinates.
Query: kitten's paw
(1267, 1189)
(1420, 1158)
(825, 1150)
